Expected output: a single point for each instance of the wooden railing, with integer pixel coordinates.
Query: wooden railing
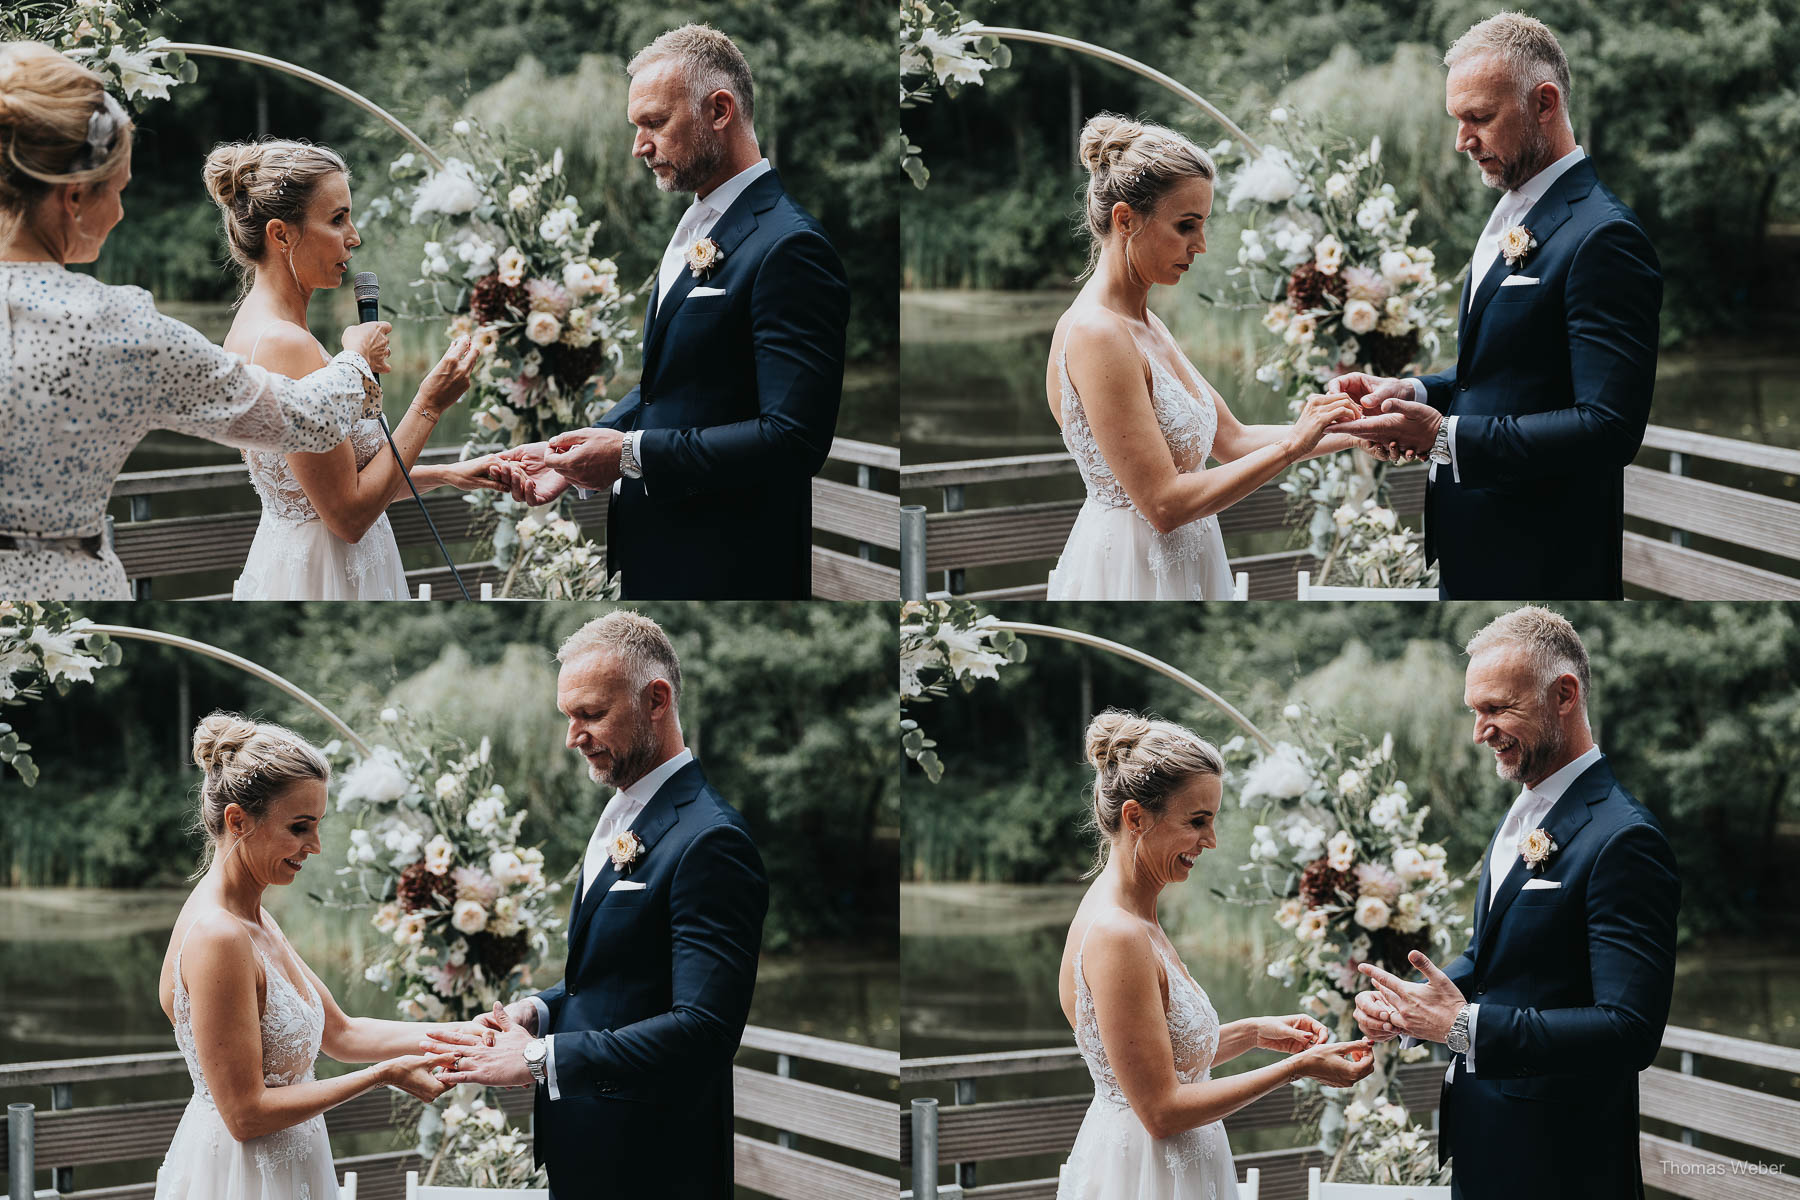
(862, 1127)
(958, 537)
(968, 1132)
(153, 548)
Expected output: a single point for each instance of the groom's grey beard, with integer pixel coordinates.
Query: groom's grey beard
(1534, 156)
(635, 761)
(692, 175)
(1535, 757)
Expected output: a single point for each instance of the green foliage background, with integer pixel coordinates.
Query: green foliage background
(551, 72)
(789, 706)
(1696, 705)
(1690, 112)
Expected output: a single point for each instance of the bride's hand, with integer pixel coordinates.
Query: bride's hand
(413, 1074)
(370, 340)
(470, 475)
(1289, 1035)
(446, 382)
(1319, 413)
(1337, 1064)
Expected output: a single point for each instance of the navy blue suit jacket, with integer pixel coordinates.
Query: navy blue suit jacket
(1551, 389)
(738, 403)
(1574, 985)
(652, 1007)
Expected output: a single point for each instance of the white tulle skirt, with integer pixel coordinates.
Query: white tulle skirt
(301, 560)
(1115, 1158)
(206, 1163)
(1114, 554)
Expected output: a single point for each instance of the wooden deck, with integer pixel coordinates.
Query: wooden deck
(826, 1141)
(959, 538)
(1764, 1123)
(859, 523)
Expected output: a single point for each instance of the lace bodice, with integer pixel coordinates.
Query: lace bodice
(1188, 423)
(282, 495)
(1193, 1028)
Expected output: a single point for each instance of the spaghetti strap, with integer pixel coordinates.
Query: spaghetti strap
(257, 344)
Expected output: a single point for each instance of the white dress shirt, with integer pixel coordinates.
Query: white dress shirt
(626, 805)
(1511, 208)
(1527, 813)
(697, 222)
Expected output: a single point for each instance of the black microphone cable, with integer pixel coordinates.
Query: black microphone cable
(368, 296)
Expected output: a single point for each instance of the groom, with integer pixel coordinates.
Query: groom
(1529, 433)
(1561, 998)
(711, 457)
(631, 1053)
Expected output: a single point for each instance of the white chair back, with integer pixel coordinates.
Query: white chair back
(424, 591)
(1240, 586)
(1315, 1190)
(414, 1191)
(1251, 1187)
(1306, 589)
(348, 1190)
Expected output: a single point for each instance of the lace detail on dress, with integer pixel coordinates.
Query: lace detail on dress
(281, 494)
(1188, 423)
(293, 1027)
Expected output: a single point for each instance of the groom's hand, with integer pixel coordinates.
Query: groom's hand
(522, 1013)
(1405, 427)
(1422, 1010)
(495, 1057)
(523, 472)
(1290, 1035)
(587, 458)
(1373, 1015)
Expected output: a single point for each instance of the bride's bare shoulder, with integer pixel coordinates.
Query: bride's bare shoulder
(214, 938)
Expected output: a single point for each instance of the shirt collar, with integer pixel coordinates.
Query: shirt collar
(721, 198)
(1524, 198)
(645, 789)
(1551, 789)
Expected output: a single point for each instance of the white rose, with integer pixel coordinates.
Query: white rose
(451, 191)
(1372, 912)
(1337, 186)
(460, 128)
(1292, 712)
(1282, 775)
(438, 853)
(1355, 1113)
(511, 266)
(1289, 914)
(468, 916)
(1409, 864)
(446, 786)
(1360, 317)
(519, 197)
(580, 279)
(542, 328)
(1349, 782)
(390, 715)
(1340, 852)
(454, 1115)
(387, 917)
(557, 225)
(1328, 254)
(1278, 115)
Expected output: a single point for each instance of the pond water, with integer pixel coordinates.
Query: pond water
(972, 386)
(79, 970)
(980, 963)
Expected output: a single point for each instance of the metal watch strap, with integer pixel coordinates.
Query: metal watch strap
(628, 461)
(1459, 1032)
(1440, 445)
(539, 1066)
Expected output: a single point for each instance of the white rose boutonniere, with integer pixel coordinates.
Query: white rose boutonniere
(1536, 848)
(625, 852)
(1515, 243)
(703, 256)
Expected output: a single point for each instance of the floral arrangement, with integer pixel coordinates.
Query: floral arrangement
(944, 642)
(938, 51)
(1338, 851)
(511, 262)
(108, 36)
(480, 1146)
(43, 645)
(559, 564)
(1329, 258)
(435, 851)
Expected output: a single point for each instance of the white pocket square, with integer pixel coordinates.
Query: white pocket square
(1517, 281)
(626, 885)
(1530, 884)
(706, 291)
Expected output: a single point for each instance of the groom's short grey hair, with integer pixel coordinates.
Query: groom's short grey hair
(710, 62)
(1549, 640)
(638, 641)
(1532, 54)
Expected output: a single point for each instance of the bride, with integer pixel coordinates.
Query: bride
(1143, 1024)
(324, 533)
(1135, 414)
(249, 1015)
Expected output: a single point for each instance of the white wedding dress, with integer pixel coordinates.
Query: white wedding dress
(204, 1161)
(295, 557)
(1114, 1156)
(1113, 553)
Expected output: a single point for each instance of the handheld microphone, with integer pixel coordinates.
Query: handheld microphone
(368, 308)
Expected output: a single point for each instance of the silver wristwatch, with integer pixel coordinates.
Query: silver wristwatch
(1440, 445)
(1458, 1037)
(628, 461)
(537, 1052)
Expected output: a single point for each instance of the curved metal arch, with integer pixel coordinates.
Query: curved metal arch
(1131, 654)
(1120, 60)
(134, 633)
(313, 77)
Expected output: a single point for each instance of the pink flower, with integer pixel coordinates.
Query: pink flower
(548, 296)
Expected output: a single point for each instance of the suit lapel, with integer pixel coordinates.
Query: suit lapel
(1562, 823)
(657, 819)
(1544, 219)
(729, 232)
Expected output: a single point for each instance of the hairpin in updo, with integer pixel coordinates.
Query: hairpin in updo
(102, 132)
